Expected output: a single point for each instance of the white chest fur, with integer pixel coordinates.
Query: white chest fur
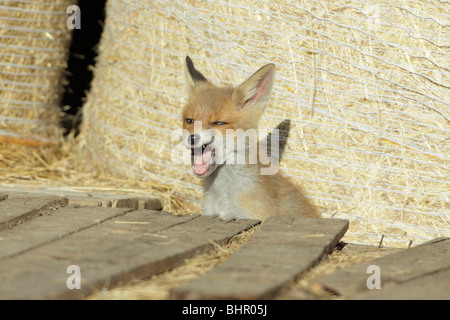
(222, 189)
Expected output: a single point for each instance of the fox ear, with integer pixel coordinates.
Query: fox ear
(193, 76)
(255, 91)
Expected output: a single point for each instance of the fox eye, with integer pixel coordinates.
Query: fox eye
(219, 123)
(189, 120)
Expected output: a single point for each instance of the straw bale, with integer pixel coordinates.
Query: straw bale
(364, 84)
(34, 43)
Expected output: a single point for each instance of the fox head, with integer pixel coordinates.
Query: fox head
(213, 113)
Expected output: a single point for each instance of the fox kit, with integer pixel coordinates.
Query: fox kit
(213, 119)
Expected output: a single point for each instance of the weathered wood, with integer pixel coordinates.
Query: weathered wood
(341, 255)
(278, 252)
(17, 209)
(45, 229)
(435, 286)
(396, 268)
(83, 201)
(97, 199)
(115, 201)
(150, 203)
(137, 244)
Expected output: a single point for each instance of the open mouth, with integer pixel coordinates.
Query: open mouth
(202, 159)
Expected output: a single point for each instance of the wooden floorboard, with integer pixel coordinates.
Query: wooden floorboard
(114, 249)
(398, 272)
(113, 239)
(278, 252)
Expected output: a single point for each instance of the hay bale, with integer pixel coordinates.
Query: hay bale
(33, 50)
(365, 86)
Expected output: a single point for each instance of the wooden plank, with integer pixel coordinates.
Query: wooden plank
(48, 228)
(16, 209)
(349, 252)
(277, 253)
(138, 244)
(434, 286)
(395, 268)
(97, 199)
(114, 201)
(150, 204)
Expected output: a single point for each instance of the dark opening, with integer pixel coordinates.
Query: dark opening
(83, 51)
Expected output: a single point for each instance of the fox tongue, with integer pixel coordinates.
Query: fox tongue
(201, 163)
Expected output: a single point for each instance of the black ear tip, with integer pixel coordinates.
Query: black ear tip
(195, 75)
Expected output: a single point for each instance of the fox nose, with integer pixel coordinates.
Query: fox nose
(194, 139)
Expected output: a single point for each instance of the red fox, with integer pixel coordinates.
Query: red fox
(213, 120)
